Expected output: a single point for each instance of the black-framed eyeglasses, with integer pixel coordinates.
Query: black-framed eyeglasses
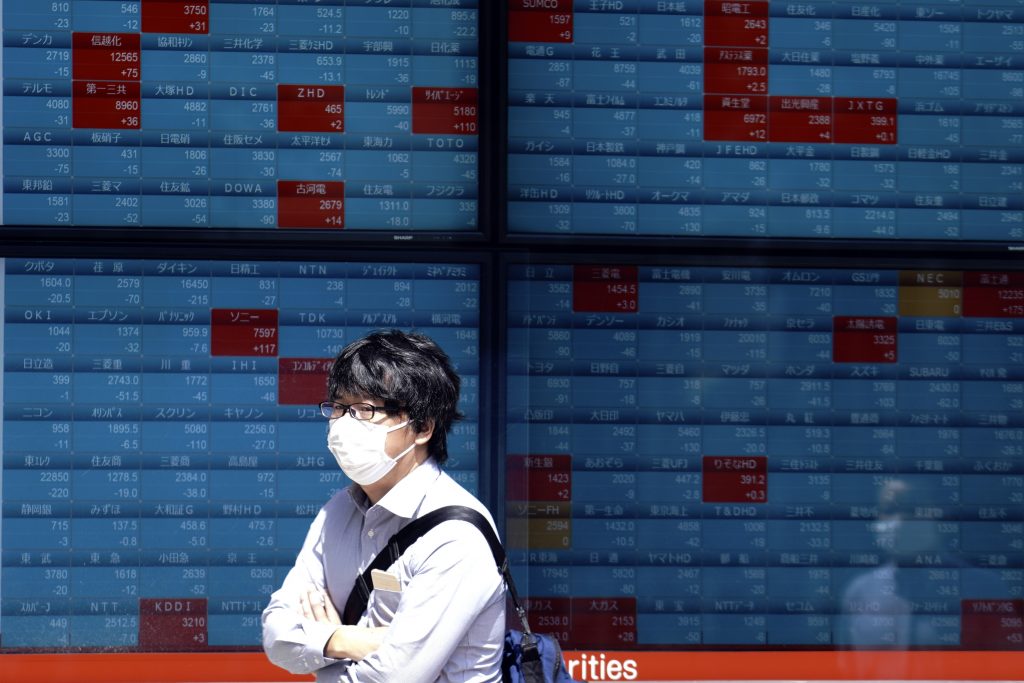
(359, 411)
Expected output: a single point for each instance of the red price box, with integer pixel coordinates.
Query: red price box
(175, 624)
(106, 104)
(735, 71)
(106, 56)
(176, 16)
(864, 121)
(604, 622)
(311, 108)
(310, 204)
(864, 339)
(540, 21)
(737, 24)
(539, 478)
(993, 295)
(739, 118)
(992, 624)
(605, 289)
(302, 381)
(800, 119)
(243, 332)
(445, 111)
(546, 615)
(734, 479)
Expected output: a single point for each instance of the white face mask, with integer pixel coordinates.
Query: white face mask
(358, 446)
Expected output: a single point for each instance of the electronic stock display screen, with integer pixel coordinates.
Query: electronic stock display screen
(163, 454)
(333, 115)
(858, 119)
(723, 456)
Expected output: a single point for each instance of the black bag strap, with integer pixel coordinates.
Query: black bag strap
(409, 534)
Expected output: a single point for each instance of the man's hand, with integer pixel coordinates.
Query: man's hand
(315, 604)
(347, 642)
(354, 642)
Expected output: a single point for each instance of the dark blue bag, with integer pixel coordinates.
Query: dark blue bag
(528, 657)
(532, 658)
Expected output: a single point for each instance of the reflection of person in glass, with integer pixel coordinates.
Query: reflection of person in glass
(913, 598)
(879, 605)
(438, 613)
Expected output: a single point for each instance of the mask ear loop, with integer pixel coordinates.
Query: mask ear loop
(395, 428)
(403, 453)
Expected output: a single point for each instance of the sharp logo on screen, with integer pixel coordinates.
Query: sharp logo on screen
(600, 667)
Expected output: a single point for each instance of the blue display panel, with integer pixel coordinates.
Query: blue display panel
(767, 457)
(334, 115)
(162, 451)
(874, 119)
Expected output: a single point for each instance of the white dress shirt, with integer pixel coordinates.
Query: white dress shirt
(446, 624)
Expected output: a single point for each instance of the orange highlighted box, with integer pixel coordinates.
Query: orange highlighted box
(931, 293)
(552, 533)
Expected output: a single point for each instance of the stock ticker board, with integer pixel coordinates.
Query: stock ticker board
(766, 457)
(163, 454)
(342, 114)
(848, 119)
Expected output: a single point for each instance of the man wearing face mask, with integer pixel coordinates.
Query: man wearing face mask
(438, 613)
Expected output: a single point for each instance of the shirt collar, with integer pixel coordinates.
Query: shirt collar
(405, 497)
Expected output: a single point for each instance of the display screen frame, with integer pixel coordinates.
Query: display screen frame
(864, 662)
(484, 468)
(487, 135)
(772, 245)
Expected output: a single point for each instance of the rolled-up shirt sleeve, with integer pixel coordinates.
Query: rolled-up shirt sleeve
(290, 640)
(451, 586)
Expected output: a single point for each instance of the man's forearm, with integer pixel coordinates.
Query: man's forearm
(354, 642)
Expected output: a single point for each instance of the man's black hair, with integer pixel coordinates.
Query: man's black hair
(410, 373)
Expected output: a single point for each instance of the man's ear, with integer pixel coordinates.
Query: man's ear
(425, 432)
